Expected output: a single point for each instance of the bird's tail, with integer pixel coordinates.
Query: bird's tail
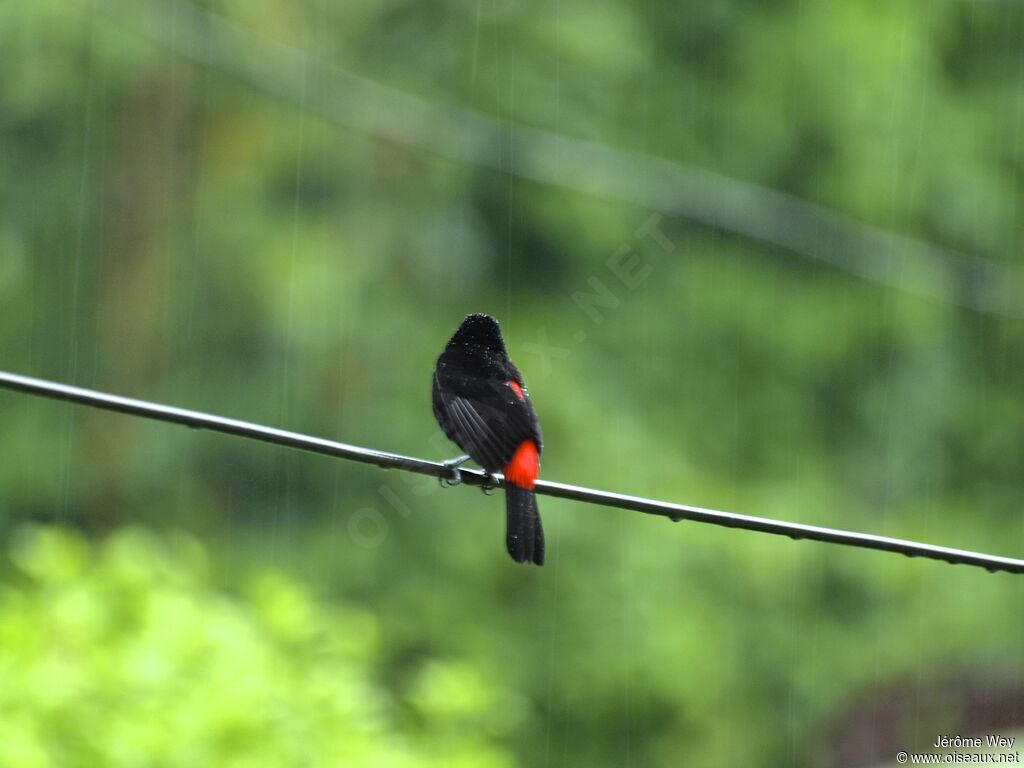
(524, 535)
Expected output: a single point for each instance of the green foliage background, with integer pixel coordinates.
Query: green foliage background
(175, 227)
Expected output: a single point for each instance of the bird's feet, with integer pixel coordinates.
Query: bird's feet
(490, 483)
(456, 476)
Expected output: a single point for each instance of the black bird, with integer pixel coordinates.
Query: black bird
(482, 405)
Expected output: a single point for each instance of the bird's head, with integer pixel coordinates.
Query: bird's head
(478, 331)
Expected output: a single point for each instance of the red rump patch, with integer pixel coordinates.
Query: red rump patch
(522, 469)
(517, 389)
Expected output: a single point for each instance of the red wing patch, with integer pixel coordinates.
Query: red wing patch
(517, 389)
(522, 469)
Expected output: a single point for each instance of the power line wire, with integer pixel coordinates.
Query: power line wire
(675, 512)
(731, 205)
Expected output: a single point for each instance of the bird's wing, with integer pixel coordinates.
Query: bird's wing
(489, 420)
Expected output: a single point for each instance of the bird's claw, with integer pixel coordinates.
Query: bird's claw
(489, 484)
(456, 476)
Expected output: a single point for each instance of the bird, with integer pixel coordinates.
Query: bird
(483, 406)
